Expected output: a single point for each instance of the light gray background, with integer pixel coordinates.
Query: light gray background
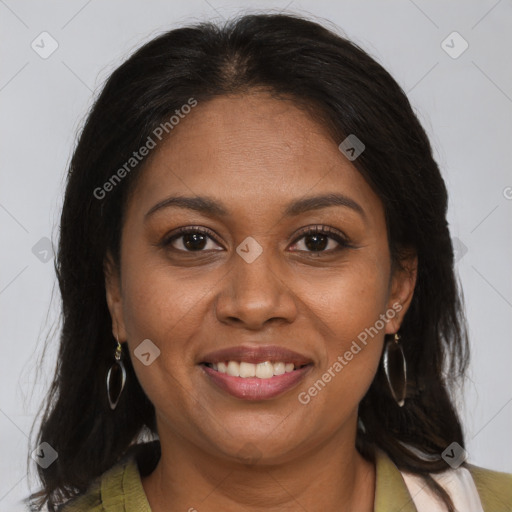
(465, 105)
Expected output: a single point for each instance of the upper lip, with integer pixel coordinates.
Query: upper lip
(256, 355)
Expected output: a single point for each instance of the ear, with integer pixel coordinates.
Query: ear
(402, 284)
(114, 297)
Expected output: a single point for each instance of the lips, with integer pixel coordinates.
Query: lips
(255, 386)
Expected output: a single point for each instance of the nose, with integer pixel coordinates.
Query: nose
(255, 293)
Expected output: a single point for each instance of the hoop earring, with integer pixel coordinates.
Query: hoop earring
(116, 378)
(395, 369)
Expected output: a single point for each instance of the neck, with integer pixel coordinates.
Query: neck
(333, 476)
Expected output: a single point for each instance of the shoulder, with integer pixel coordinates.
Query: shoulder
(118, 485)
(90, 501)
(93, 500)
(494, 488)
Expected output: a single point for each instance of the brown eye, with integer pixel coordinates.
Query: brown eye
(318, 240)
(190, 239)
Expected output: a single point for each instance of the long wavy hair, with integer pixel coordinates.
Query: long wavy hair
(350, 93)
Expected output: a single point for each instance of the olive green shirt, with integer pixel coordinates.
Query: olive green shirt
(120, 488)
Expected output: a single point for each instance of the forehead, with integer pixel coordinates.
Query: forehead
(254, 151)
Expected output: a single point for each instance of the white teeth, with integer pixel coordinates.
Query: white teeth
(233, 369)
(279, 368)
(265, 370)
(247, 370)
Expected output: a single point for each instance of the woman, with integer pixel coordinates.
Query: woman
(257, 279)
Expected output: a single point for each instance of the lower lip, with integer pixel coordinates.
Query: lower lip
(253, 388)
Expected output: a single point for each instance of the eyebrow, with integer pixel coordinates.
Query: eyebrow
(212, 207)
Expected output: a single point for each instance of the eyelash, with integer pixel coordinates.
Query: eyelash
(316, 230)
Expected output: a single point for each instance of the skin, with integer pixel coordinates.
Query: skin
(255, 154)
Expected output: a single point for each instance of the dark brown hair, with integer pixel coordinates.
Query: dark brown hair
(352, 94)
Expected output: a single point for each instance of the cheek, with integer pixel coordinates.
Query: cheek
(351, 299)
(160, 303)
(349, 309)
(160, 307)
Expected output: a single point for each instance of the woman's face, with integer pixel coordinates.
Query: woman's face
(254, 282)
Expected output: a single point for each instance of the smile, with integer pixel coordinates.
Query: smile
(255, 372)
